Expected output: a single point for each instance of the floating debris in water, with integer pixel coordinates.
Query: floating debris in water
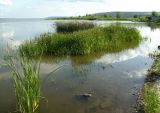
(103, 67)
(111, 65)
(83, 97)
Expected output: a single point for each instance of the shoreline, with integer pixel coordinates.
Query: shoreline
(149, 96)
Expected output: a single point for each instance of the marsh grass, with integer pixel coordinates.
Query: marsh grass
(99, 39)
(151, 93)
(156, 65)
(73, 26)
(151, 98)
(26, 83)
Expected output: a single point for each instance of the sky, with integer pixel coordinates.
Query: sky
(47, 8)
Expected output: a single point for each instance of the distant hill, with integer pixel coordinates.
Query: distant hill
(125, 14)
(104, 15)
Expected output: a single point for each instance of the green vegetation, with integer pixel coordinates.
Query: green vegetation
(154, 25)
(154, 18)
(156, 66)
(119, 15)
(155, 14)
(151, 98)
(73, 26)
(135, 16)
(26, 83)
(128, 16)
(99, 39)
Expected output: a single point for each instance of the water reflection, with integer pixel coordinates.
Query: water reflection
(153, 26)
(113, 79)
(16, 31)
(112, 86)
(8, 38)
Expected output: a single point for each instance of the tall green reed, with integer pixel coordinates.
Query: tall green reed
(98, 39)
(25, 75)
(73, 26)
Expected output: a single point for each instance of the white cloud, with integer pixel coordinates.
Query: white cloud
(135, 73)
(5, 2)
(132, 5)
(45, 8)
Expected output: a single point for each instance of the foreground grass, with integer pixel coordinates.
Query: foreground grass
(26, 83)
(99, 39)
(73, 26)
(151, 98)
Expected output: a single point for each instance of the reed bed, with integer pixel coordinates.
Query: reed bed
(99, 39)
(73, 26)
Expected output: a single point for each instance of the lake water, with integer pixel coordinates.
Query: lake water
(113, 79)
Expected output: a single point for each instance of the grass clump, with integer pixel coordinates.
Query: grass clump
(26, 83)
(73, 26)
(151, 98)
(99, 39)
(155, 69)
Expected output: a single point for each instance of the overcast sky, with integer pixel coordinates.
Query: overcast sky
(45, 8)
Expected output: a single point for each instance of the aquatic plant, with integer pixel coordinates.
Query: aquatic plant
(73, 26)
(26, 83)
(99, 39)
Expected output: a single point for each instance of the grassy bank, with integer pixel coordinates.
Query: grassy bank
(150, 97)
(98, 39)
(73, 26)
(154, 71)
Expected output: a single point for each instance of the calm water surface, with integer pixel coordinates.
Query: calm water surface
(113, 79)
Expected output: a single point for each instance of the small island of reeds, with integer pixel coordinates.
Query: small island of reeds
(82, 41)
(73, 26)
